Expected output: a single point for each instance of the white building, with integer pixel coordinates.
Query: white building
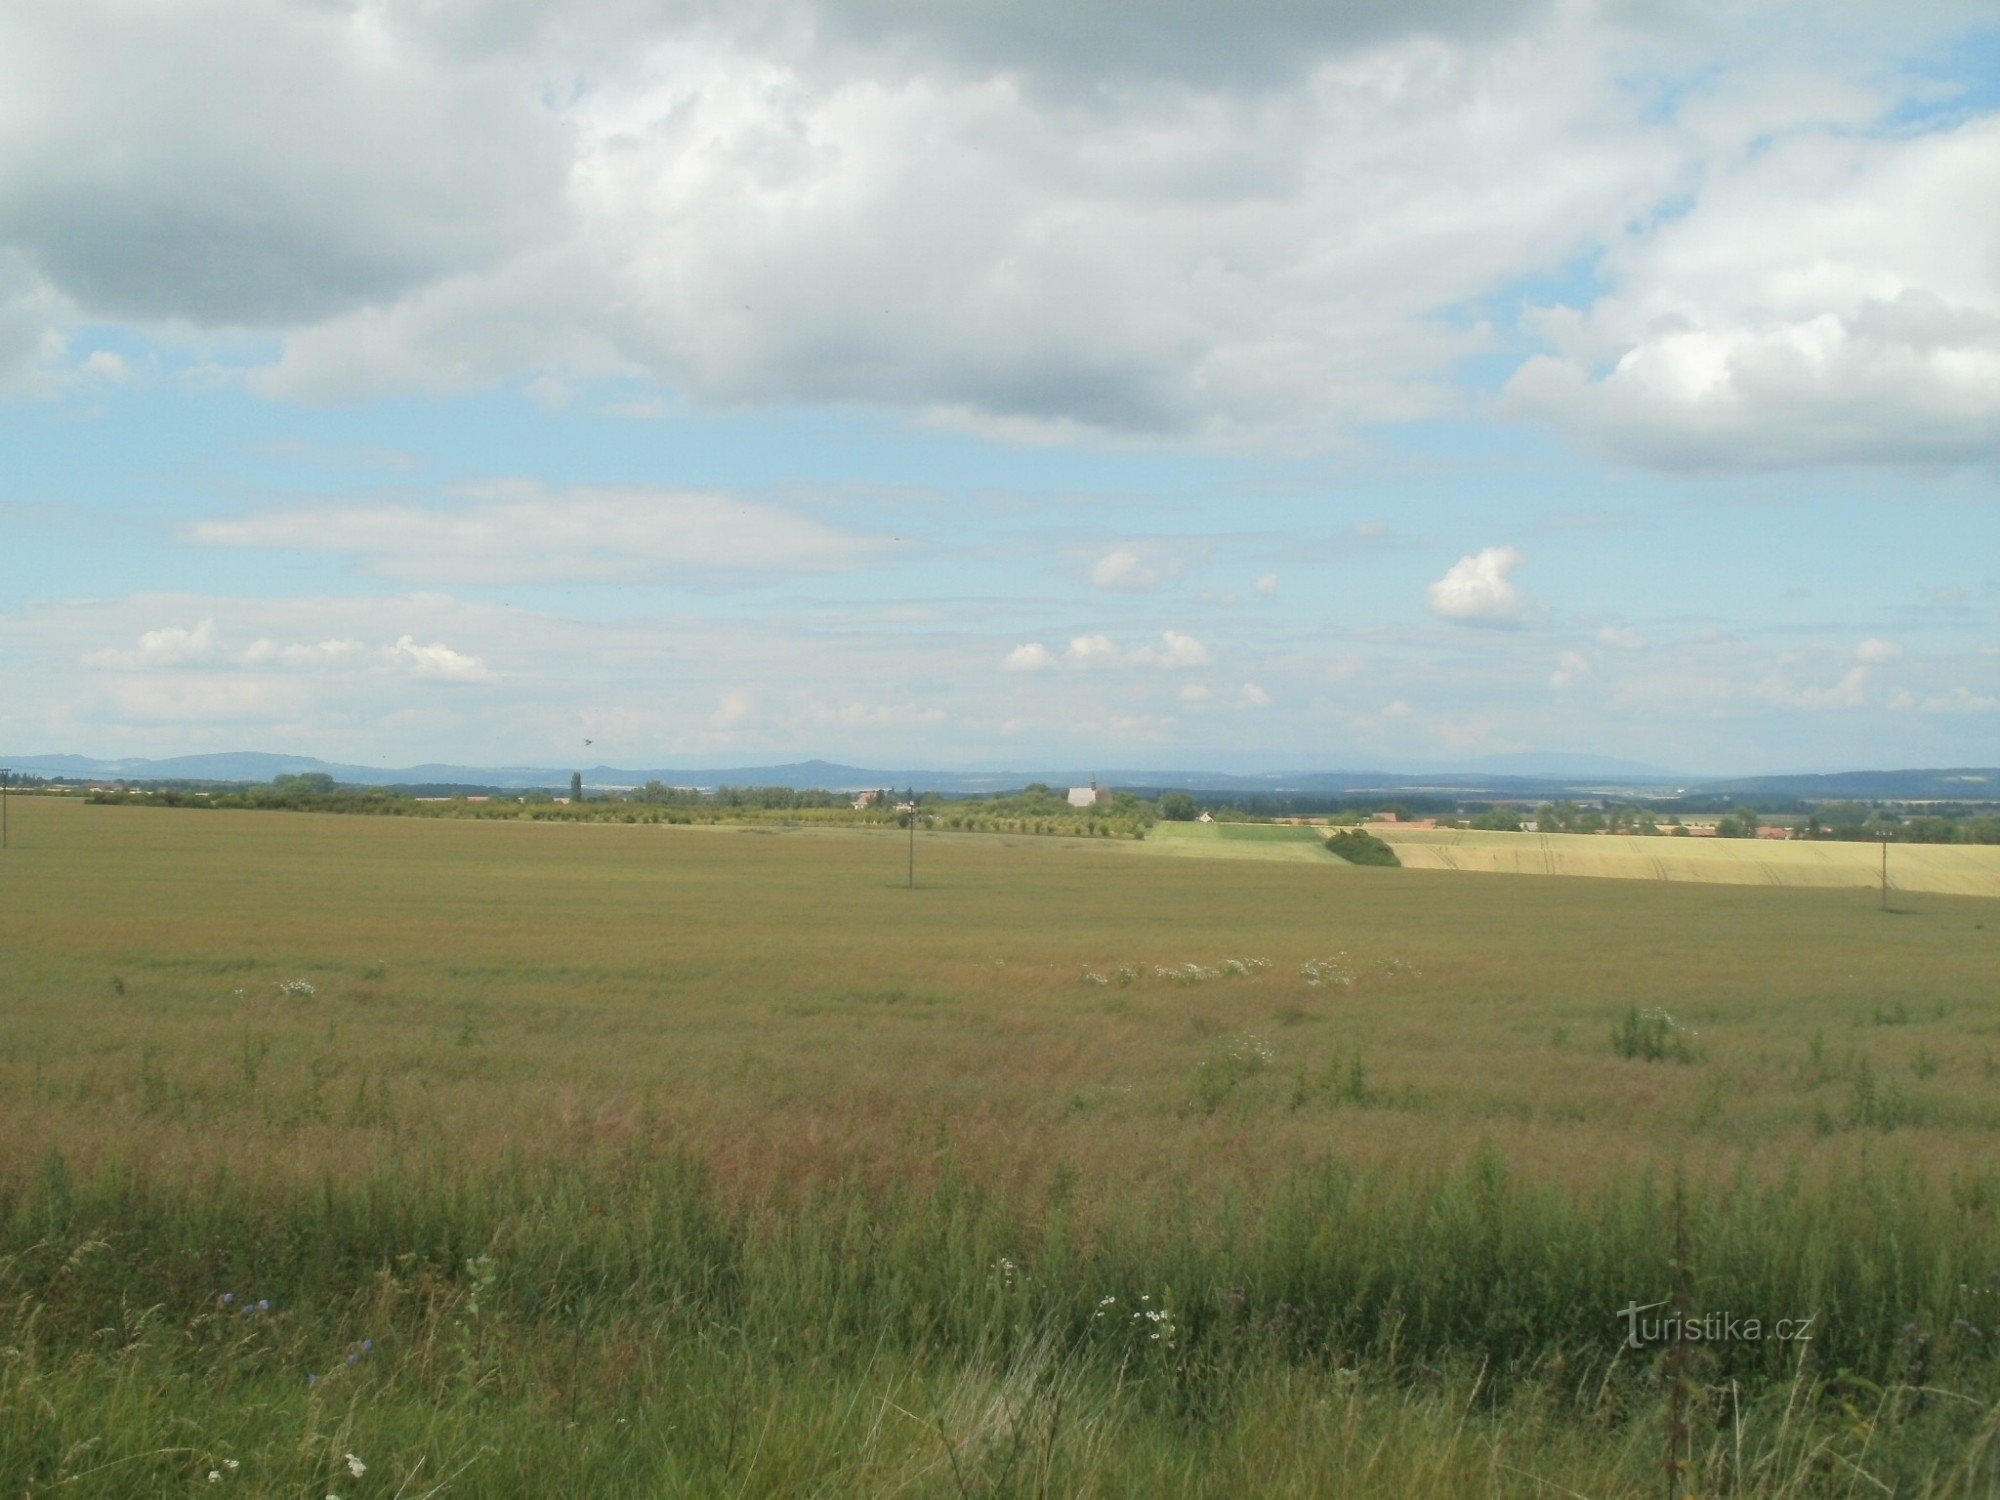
(1089, 796)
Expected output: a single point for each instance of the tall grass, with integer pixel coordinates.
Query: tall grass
(523, 1160)
(359, 1303)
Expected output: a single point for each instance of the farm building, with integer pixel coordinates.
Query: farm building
(1089, 796)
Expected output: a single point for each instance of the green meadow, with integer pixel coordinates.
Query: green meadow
(355, 1156)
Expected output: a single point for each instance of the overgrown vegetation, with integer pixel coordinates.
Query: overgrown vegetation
(1359, 847)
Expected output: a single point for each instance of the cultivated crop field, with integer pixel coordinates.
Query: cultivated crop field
(393, 1157)
(1952, 869)
(1238, 841)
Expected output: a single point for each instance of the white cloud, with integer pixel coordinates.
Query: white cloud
(1478, 590)
(1176, 652)
(519, 531)
(233, 163)
(1132, 219)
(1621, 638)
(169, 646)
(1875, 652)
(1195, 692)
(1268, 585)
(439, 661)
(107, 366)
(1253, 696)
(1851, 691)
(1092, 650)
(1123, 570)
(1834, 296)
(731, 711)
(1571, 668)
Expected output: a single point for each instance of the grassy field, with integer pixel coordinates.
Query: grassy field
(651, 1160)
(1950, 869)
(1238, 841)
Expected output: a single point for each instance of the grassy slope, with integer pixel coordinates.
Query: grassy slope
(747, 1138)
(1960, 870)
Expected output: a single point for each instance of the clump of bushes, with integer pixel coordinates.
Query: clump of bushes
(1359, 847)
(1652, 1036)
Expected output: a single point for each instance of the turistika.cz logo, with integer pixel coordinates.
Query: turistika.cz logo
(1709, 1328)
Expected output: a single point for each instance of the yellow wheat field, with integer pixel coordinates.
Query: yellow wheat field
(1950, 869)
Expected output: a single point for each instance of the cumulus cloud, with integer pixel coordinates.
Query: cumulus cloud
(516, 531)
(1479, 590)
(1176, 651)
(1252, 696)
(1132, 219)
(1875, 652)
(1621, 638)
(1135, 220)
(1093, 650)
(1850, 691)
(234, 163)
(1123, 570)
(1831, 297)
(439, 661)
(1032, 656)
(169, 646)
(1267, 585)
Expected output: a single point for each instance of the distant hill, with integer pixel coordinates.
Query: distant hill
(259, 766)
(1547, 763)
(1537, 776)
(1958, 784)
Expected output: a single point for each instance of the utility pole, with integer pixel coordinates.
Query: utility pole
(5, 777)
(913, 841)
(1885, 872)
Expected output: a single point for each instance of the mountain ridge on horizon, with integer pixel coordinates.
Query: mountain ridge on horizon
(239, 765)
(1517, 773)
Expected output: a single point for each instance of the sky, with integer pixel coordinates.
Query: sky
(1261, 385)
